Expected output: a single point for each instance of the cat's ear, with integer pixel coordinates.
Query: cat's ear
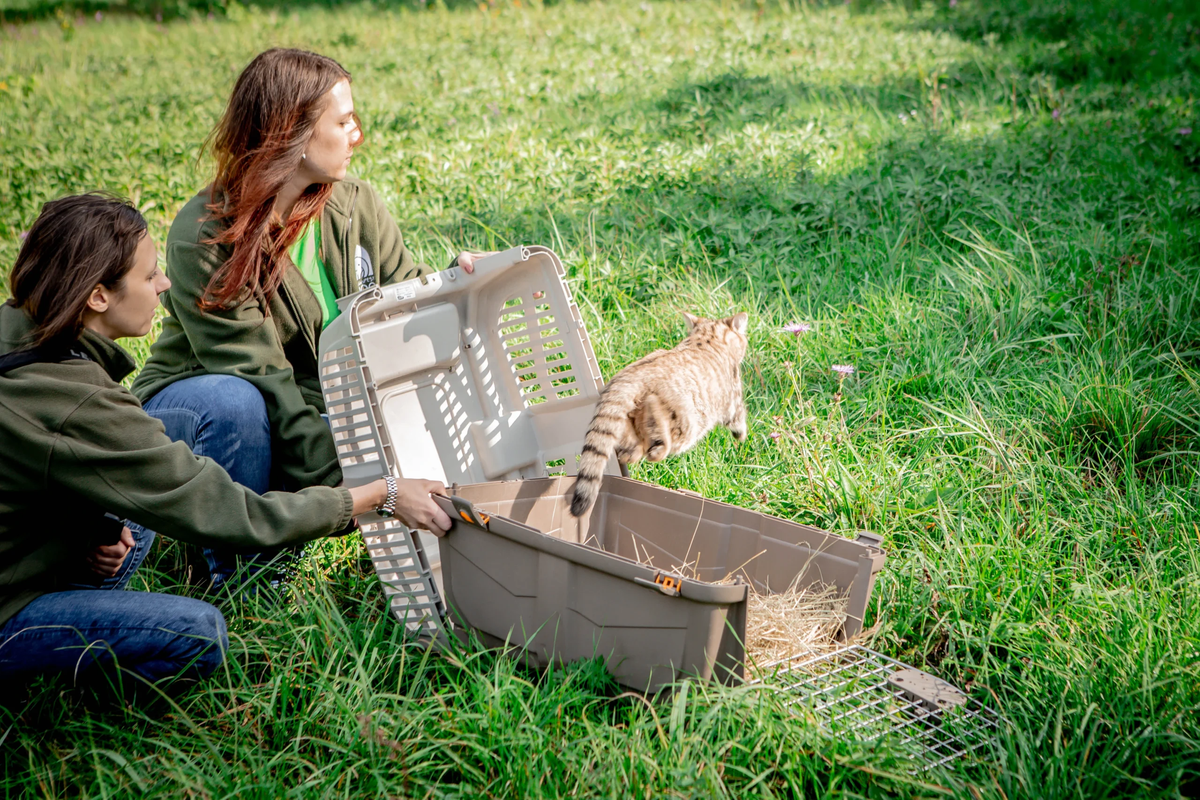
(739, 322)
(692, 319)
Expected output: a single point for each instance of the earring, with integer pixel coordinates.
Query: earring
(304, 156)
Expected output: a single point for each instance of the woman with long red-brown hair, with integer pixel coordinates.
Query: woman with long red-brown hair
(257, 262)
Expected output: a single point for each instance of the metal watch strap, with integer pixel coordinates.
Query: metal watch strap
(388, 509)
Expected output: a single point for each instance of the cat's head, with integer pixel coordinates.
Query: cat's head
(729, 332)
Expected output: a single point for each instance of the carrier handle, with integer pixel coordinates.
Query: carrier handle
(869, 538)
(470, 513)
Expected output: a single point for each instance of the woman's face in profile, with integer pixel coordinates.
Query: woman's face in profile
(328, 154)
(129, 311)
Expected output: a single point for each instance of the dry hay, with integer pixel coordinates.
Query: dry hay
(794, 622)
(781, 625)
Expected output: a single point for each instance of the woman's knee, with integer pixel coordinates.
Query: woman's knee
(213, 655)
(202, 637)
(213, 402)
(233, 403)
(222, 417)
(87, 633)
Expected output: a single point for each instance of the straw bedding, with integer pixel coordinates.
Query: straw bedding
(784, 624)
(795, 622)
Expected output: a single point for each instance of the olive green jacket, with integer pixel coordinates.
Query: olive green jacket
(274, 345)
(75, 444)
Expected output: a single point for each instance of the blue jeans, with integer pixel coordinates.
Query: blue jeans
(89, 632)
(225, 418)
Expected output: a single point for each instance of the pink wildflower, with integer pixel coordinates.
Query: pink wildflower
(1185, 131)
(843, 369)
(99, 16)
(796, 328)
(1056, 113)
(773, 435)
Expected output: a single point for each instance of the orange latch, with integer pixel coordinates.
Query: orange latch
(669, 582)
(484, 519)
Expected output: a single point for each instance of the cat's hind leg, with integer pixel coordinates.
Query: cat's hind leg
(656, 428)
(629, 450)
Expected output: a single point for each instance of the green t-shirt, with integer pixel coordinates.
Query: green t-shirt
(306, 255)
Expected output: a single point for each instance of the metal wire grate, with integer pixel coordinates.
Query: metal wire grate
(858, 692)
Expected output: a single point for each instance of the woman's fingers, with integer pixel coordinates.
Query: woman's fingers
(106, 560)
(415, 504)
(440, 518)
(102, 566)
(427, 515)
(467, 260)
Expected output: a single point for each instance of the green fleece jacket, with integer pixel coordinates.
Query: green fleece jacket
(274, 345)
(75, 444)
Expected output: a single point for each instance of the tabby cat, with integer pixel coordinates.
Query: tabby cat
(663, 403)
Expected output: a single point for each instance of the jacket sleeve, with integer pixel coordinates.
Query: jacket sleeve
(396, 263)
(120, 458)
(242, 342)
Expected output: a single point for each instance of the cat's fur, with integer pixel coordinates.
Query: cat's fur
(663, 403)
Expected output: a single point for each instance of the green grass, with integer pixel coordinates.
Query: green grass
(1018, 290)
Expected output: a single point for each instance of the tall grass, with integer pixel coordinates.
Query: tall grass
(993, 214)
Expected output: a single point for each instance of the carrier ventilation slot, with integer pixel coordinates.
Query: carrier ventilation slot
(402, 568)
(407, 580)
(535, 346)
(349, 408)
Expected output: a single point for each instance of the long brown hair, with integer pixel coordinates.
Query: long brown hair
(258, 143)
(76, 242)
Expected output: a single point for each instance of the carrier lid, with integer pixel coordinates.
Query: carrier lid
(462, 377)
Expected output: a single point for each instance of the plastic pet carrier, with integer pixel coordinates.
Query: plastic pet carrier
(487, 382)
(654, 580)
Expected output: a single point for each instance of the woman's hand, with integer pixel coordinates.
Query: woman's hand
(414, 505)
(467, 260)
(106, 560)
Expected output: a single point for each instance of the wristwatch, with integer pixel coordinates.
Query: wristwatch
(388, 509)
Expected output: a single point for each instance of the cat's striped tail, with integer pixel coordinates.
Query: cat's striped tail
(608, 428)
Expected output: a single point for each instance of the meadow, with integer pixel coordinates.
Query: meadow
(991, 211)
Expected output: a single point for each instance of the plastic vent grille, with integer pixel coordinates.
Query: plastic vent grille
(362, 445)
(407, 582)
(343, 381)
(850, 693)
(535, 347)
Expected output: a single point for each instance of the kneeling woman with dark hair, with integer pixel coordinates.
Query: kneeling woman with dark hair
(78, 455)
